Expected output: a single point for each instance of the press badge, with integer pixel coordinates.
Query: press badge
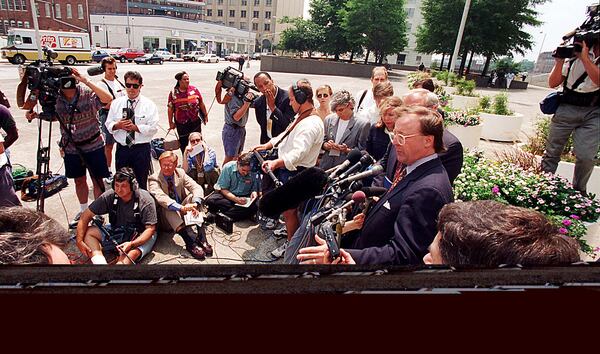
(387, 205)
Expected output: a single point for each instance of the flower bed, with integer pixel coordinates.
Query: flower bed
(483, 179)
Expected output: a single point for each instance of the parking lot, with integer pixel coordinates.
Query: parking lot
(249, 243)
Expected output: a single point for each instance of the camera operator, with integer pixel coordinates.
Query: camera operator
(578, 112)
(81, 140)
(273, 110)
(236, 117)
(133, 120)
(116, 89)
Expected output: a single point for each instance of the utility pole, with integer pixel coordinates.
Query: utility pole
(460, 34)
(36, 26)
(128, 28)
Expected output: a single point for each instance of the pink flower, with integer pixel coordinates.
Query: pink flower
(563, 231)
(567, 222)
(573, 216)
(496, 190)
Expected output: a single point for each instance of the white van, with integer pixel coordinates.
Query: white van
(71, 47)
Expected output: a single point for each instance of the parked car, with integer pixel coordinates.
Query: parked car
(149, 59)
(256, 56)
(128, 54)
(165, 55)
(233, 57)
(192, 56)
(98, 55)
(208, 58)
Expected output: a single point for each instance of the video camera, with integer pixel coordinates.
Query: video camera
(43, 76)
(588, 32)
(231, 77)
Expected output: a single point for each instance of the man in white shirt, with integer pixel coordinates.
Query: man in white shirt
(577, 114)
(117, 89)
(133, 121)
(365, 97)
(299, 148)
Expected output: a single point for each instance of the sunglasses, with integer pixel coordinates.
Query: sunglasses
(195, 141)
(322, 95)
(130, 85)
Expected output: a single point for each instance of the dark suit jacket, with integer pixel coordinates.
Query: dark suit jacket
(452, 160)
(282, 116)
(355, 136)
(377, 142)
(401, 226)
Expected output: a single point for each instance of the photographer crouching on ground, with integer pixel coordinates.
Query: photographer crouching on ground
(76, 109)
(578, 112)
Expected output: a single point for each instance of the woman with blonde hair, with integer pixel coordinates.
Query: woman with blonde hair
(324, 93)
(380, 134)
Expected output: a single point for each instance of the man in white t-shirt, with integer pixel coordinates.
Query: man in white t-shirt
(117, 89)
(365, 97)
(577, 114)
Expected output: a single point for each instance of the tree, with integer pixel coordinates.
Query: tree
(303, 36)
(329, 14)
(527, 65)
(378, 26)
(505, 65)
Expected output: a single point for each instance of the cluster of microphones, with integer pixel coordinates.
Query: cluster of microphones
(330, 197)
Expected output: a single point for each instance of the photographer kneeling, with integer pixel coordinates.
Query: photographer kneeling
(76, 109)
(132, 217)
(578, 112)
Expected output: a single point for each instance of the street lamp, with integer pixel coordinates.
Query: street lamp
(250, 21)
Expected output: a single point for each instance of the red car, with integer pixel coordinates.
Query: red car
(128, 54)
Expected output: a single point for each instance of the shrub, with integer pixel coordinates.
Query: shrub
(465, 87)
(443, 96)
(499, 104)
(484, 103)
(468, 118)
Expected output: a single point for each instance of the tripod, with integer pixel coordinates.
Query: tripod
(43, 164)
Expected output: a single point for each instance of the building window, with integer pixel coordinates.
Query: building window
(400, 59)
(69, 11)
(269, 2)
(20, 24)
(267, 14)
(243, 26)
(2, 4)
(256, 2)
(10, 5)
(24, 5)
(96, 28)
(80, 12)
(243, 14)
(57, 11)
(267, 26)
(47, 9)
(208, 2)
(231, 13)
(37, 9)
(219, 2)
(17, 5)
(231, 24)
(255, 14)
(219, 13)
(27, 26)
(244, 2)
(410, 12)
(209, 12)
(231, 2)
(13, 23)
(255, 26)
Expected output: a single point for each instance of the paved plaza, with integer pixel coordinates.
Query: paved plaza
(249, 243)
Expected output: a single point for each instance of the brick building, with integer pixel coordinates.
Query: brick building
(54, 15)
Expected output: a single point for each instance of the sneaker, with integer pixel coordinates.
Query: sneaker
(280, 233)
(279, 251)
(73, 223)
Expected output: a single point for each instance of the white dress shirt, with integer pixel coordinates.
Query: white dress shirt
(146, 119)
(302, 146)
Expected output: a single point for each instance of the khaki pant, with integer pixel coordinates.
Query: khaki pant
(169, 220)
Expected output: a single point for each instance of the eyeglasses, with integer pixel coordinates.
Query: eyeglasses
(339, 109)
(401, 139)
(195, 141)
(130, 85)
(322, 95)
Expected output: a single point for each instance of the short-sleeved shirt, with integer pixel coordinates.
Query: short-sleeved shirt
(125, 215)
(233, 181)
(82, 122)
(7, 122)
(231, 107)
(186, 104)
(576, 71)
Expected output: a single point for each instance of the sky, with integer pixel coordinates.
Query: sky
(558, 17)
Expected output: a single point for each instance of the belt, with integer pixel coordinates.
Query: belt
(88, 140)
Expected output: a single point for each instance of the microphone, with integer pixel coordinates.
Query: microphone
(353, 157)
(375, 170)
(364, 161)
(95, 70)
(358, 197)
(303, 186)
(269, 172)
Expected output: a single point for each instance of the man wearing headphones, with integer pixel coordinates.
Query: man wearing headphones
(299, 147)
(116, 89)
(132, 216)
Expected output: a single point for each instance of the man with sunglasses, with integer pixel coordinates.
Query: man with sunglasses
(133, 121)
(400, 227)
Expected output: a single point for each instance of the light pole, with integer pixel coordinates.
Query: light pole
(460, 34)
(250, 21)
(128, 28)
(541, 47)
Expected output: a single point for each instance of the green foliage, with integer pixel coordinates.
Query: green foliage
(484, 103)
(506, 65)
(484, 179)
(305, 35)
(465, 87)
(500, 105)
(416, 76)
(329, 14)
(378, 26)
(527, 65)
(573, 227)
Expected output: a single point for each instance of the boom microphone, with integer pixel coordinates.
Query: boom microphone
(298, 189)
(373, 171)
(353, 157)
(364, 161)
(95, 70)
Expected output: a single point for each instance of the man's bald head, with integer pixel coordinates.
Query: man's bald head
(422, 98)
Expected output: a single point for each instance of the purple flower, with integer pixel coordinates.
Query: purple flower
(573, 216)
(567, 222)
(496, 190)
(563, 231)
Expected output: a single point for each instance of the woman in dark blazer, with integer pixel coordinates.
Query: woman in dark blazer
(380, 134)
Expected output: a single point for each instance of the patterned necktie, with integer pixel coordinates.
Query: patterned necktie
(400, 173)
(130, 138)
(172, 191)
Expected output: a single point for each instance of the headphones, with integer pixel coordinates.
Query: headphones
(130, 178)
(299, 95)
